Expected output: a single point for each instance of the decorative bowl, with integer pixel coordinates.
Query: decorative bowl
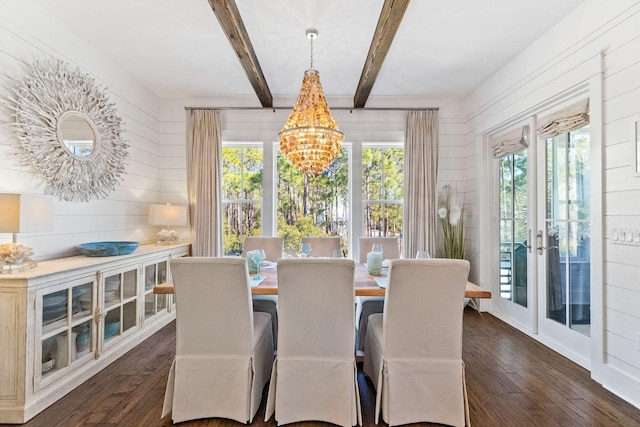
(48, 365)
(108, 248)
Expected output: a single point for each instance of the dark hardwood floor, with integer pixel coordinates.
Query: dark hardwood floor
(512, 381)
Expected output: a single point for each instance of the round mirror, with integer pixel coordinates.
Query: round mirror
(69, 131)
(77, 135)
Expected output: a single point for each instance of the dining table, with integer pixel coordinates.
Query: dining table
(365, 284)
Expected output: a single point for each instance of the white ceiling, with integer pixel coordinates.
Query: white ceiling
(176, 48)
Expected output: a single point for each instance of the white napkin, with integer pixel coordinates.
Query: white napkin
(381, 281)
(254, 281)
(268, 265)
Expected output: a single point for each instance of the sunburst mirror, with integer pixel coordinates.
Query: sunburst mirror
(69, 131)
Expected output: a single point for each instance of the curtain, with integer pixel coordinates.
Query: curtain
(566, 120)
(204, 153)
(420, 184)
(511, 143)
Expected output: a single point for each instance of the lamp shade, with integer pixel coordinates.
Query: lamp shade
(167, 215)
(25, 213)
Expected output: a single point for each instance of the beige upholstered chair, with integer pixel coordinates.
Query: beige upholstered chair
(322, 246)
(314, 374)
(413, 351)
(224, 351)
(390, 247)
(366, 306)
(273, 246)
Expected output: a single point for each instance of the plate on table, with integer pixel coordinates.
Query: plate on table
(268, 265)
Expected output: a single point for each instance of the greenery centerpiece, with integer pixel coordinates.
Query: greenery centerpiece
(451, 215)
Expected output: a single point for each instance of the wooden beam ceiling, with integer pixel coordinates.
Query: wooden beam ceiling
(388, 23)
(231, 22)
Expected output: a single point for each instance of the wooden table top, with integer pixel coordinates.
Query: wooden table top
(365, 285)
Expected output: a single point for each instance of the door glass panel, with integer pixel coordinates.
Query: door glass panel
(513, 227)
(82, 339)
(568, 230)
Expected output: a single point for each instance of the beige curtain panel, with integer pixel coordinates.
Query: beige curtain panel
(204, 180)
(511, 143)
(565, 120)
(421, 177)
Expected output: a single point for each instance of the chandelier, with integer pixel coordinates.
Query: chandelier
(310, 138)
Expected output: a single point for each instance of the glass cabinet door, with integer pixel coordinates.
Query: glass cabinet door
(67, 331)
(120, 300)
(155, 273)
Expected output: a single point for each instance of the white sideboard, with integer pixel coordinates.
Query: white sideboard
(66, 319)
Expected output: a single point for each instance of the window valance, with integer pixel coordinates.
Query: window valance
(511, 143)
(566, 120)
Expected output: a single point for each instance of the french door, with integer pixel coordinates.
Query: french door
(542, 253)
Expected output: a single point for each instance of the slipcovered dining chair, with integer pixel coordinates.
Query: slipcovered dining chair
(224, 351)
(314, 374)
(322, 246)
(273, 247)
(413, 351)
(390, 247)
(366, 306)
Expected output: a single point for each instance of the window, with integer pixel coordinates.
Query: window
(512, 220)
(264, 194)
(568, 229)
(316, 206)
(242, 169)
(382, 191)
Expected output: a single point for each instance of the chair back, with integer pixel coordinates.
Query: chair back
(273, 246)
(390, 247)
(322, 246)
(423, 308)
(315, 308)
(213, 305)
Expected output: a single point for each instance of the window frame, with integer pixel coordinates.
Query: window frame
(270, 151)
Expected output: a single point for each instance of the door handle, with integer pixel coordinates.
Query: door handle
(539, 246)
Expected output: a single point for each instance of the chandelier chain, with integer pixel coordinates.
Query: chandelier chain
(311, 50)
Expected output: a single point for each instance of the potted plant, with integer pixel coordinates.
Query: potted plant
(451, 214)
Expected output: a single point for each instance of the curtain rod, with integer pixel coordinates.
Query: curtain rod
(332, 108)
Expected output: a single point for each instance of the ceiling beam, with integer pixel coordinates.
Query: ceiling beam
(231, 22)
(388, 23)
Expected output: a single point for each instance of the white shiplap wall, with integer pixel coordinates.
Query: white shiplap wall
(27, 33)
(599, 42)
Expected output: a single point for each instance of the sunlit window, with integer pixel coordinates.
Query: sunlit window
(382, 191)
(316, 206)
(302, 206)
(242, 169)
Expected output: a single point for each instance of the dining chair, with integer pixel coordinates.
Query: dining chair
(273, 248)
(314, 376)
(366, 306)
(322, 246)
(390, 247)
(224, 351)
(413, 351)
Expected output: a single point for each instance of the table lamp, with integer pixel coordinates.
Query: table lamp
(167, 216)
(22, 213)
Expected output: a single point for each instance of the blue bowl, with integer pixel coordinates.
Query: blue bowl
(107, 248)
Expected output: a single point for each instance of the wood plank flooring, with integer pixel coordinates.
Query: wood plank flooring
(512, 381)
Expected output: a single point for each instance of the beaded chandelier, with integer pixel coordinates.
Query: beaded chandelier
(310, 138)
